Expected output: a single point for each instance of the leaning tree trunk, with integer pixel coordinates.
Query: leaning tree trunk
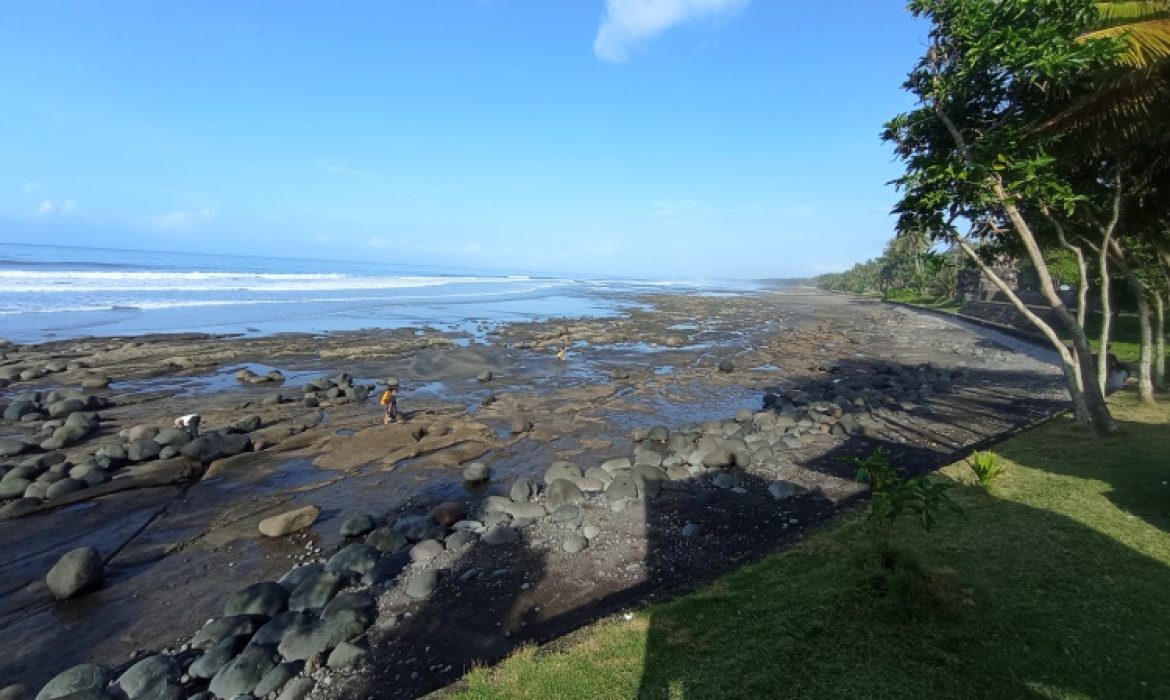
(1088, 399)
(1072, 371)
(1094, 394)
(1106, 314)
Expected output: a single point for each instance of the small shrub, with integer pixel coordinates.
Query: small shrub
(892, 496)
(986, 466)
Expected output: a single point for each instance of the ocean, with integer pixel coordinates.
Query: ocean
(53, 292)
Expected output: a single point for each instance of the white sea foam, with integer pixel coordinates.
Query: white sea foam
(42, 281)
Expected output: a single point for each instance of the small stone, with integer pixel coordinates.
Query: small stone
(591, 532)
(691, 530)
(574, 543)
(358, 525)
(77, 572)
(422, 584)
(277, 678)
(217, 657)
(523, 490)
(297, 689)
(562, 491)
(149, 677)
(242, 674)
(500, 535)
(476, 472)
(726, 366)
(316, 591)
(357, 558)
(347, 655)
(386, 540)
(448, 513)
(291, 521)
(426, 550)
(268, 599)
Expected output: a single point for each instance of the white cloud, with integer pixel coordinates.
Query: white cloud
(49, 207)
(332, 167)
(628, 22)
(32, 187)
(180, 220)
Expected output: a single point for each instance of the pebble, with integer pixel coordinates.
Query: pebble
(77, 572)
(291, 521)
(422, 584)
(574, 543)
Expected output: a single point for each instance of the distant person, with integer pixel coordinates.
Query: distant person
(389, 401)
(190, 423)
(561, 354)
(1115, 379)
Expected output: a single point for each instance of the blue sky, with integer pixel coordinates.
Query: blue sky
(659, 138)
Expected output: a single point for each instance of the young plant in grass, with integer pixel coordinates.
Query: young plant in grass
(893, 496)
(986, 466)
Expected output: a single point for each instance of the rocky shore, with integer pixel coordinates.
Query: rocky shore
(298, 548)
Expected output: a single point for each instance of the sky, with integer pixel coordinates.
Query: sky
(656, 138)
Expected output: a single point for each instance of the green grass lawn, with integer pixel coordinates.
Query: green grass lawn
(1056, 584)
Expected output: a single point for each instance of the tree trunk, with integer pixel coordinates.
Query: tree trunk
(1082, 269)
(1145, 355)
(1106, 312)
(1072, 371)
(1159, 339)
(1094, 396)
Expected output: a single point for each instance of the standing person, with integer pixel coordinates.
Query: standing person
(389, 401)
(190, 423)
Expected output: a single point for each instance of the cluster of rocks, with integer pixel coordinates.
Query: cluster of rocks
(886, 385)
(336, 390)
(55, 410)
(31, 372)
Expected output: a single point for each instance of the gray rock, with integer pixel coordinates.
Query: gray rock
(484, 376)
(247, 425)
(223, 628)
(234, 444)
(691, 530)
(143, 450)
(621, 488)
(523, 490)
(422, 584)
(591, 532)
(316, 591)
(567, 513)
(217, 657)
(357, 558)
(16, 691)
(562, 491)
(525, 510)
(726, 366)
(295, 576)
(659, 433)
(414, 527)
(649, 479)
(19, 508)
(274, 630)
(205, 449)
(614, 466)
(13, 488)
(782, 490)
(387, 568)
(496, 504)
(18, 409)
(61, 409)
(77, 572)
(360, 603)
(426, 550)
(243, 673)
(500, 535)
(268, 599)
(719, 458)
(10, 447)
(347, 655)
(476, 472)
(172, 437)
(562, 470)
(723, 480)
(65, 487)
(142, 432)
(459, 540)
(599, 475)
(574, 543)
(386, 540)
(148, 676)
(277, 678)
(81, 679)
(358, 525)
(297, 689)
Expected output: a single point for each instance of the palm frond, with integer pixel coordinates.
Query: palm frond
(1132, 10)
(1144, 42)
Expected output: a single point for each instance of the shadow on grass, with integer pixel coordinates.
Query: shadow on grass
(1014, 601)
(1135, 464)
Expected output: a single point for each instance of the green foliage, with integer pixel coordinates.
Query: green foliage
(893, 496)
(986, 466)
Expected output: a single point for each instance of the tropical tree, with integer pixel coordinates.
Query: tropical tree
(977, 162)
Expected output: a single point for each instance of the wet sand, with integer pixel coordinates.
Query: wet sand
(179, 537)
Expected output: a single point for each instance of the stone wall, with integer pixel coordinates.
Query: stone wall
(1005, 315)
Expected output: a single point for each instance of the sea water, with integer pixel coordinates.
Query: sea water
(52, 292)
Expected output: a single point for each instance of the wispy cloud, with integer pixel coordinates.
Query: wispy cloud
(629, 22)
(50, 207)
(332, 167)
(675, 208)
(32, 187)
(180, 220)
